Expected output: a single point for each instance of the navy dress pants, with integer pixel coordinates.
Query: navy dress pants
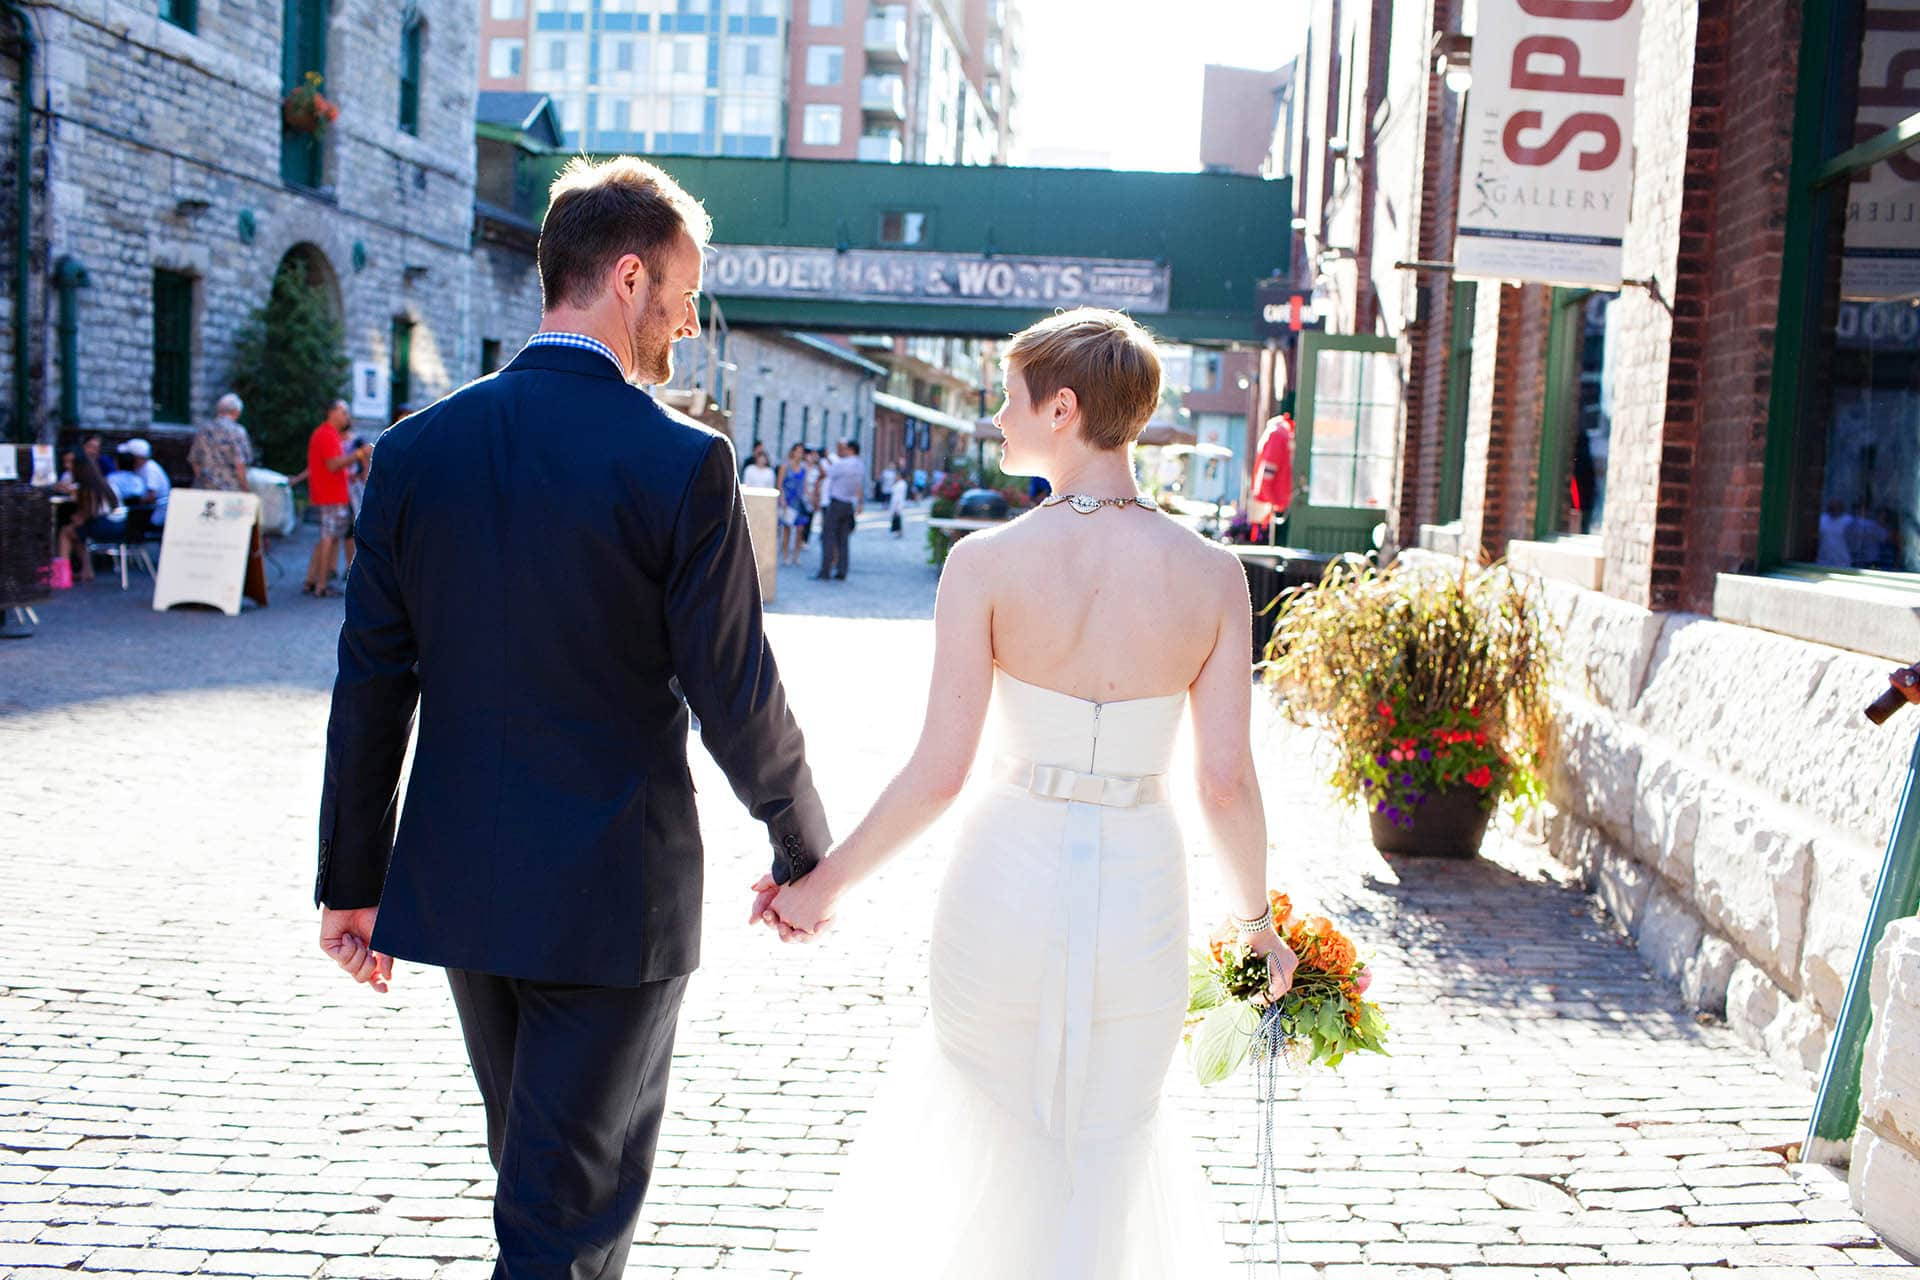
(575, 1084)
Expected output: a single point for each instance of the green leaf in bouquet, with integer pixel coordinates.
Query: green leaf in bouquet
(1203, 988)
(1223, 1040)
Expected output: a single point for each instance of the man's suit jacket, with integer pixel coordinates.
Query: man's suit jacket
(547, 562)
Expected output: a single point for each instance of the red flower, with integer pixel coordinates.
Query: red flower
(1385, 712)
(1481, 777)
(1479, 738)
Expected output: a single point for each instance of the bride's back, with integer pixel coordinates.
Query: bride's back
(1116, 604)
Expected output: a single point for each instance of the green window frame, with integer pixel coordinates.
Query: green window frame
(184, 14)
(400, 383)
(303, 48)
(1453, 434)
(412, 37)
(172, 346)
(1824, 157)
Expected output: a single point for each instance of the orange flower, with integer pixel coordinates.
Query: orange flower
(1282, 907)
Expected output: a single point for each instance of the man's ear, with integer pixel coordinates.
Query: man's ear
(630, 276)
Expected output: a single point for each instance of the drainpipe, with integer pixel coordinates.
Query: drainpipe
(69, 277)
(23, 224)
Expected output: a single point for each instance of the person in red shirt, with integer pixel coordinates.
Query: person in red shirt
(327, 463)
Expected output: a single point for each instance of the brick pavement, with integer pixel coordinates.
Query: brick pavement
(187, 1087)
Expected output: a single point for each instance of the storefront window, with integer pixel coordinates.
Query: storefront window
(1843, 481)
(1579, 413)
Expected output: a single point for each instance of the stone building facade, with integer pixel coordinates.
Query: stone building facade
(778, 388)
(1709, 468)
(171, 180)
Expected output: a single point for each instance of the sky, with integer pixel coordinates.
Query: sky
(1118, 81)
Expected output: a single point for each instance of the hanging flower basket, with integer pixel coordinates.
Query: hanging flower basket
(305, 109)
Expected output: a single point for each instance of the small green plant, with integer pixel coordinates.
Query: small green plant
(1427, 679)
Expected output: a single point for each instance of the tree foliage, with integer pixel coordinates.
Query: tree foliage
(290, 363)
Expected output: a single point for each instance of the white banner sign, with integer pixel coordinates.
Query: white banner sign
(203, 552)
(1547, 167)
(945, 279)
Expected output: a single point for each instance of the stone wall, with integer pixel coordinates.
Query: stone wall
(1885, 1176)
(164, 152)
(779, 390)
(1727, 801)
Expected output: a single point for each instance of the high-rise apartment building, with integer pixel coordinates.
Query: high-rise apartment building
(928, 81)
(687, 77)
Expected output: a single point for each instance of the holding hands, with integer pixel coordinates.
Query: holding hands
(800, 910)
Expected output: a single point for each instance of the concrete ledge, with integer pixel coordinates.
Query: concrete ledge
(1579, 560)
(1443, 538)
(1847, 615)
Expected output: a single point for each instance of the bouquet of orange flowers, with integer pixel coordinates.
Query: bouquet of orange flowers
(1322, 1018)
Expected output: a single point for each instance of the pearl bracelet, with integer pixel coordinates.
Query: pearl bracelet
(1252, 925)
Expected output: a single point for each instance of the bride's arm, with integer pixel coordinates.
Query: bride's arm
(935, 773)
(1222, 701)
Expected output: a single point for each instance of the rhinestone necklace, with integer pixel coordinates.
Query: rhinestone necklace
(1085, 505)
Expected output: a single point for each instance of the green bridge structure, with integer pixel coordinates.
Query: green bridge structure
(979, 251)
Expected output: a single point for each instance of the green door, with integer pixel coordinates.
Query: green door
(1344, 442)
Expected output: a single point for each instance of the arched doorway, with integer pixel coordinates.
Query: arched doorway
(290, 361)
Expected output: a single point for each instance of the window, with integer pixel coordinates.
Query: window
(172, 347)
(826, 13)
(303, 49)
(623, 55)
(900, 227)
(820, 125)
(400, 389)
(1204, 374)
(413, 34)
(1577, 424)
(1842, 479)
(184, 14)
(825, 63)
(756, 417)
(687, 115)
(504, 58)
(1453, 436)
(508, 10)
(683, 57)
(489, 355)
(622, 116)
(556, 55)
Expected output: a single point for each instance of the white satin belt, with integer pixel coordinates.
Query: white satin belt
(1051, 782)
(1066, 986)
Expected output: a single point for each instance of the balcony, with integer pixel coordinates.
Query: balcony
(884, 96)
(882, 148)
(887, 37)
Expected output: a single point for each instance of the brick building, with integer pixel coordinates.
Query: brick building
(1711, 465)
(167, 191)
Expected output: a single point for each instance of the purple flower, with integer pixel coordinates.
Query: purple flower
(1393, 813)
(1366, 782)
(1381, 760)
(1380, 806)
(1419, 799)
(1426, 753)
(1406, 779)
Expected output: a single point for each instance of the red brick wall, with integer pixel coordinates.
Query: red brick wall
(1742, 129)
(1505, 399)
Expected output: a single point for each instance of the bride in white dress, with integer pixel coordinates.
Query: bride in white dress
(1024, 1140)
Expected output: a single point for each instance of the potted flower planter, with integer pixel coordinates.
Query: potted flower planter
(1433, 685)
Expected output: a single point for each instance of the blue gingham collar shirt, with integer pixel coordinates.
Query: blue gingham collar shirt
(579, 341)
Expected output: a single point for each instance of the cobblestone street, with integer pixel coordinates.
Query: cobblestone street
(188, 1087)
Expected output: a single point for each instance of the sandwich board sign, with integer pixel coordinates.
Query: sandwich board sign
(204, 549)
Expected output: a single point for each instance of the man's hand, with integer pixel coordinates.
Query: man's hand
(347, 937)
(765, 890)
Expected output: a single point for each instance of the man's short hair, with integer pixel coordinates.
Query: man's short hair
(599, 211)
(853, 447)
(1105, 357)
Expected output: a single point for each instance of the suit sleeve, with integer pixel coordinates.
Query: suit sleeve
(374, 698)
(726, 668)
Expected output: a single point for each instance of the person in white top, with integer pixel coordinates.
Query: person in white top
(758, 473)
(159, 487)
(897, 499)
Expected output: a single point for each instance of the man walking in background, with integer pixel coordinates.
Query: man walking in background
(327, 463)
(845, 491)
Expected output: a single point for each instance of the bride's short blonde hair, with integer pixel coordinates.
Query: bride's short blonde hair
(1105, 357)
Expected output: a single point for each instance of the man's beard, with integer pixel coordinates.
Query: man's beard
(653, 344)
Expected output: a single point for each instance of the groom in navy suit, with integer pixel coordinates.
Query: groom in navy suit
(553, 569)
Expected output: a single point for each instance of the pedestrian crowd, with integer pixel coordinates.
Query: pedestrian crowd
(811, 486)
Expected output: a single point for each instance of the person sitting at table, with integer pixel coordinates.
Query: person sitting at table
(97, 515)
(159, 487)
(126, 482)
(64, 485)
(103, 460)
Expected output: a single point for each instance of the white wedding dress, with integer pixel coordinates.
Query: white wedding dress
(1024, 1139)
